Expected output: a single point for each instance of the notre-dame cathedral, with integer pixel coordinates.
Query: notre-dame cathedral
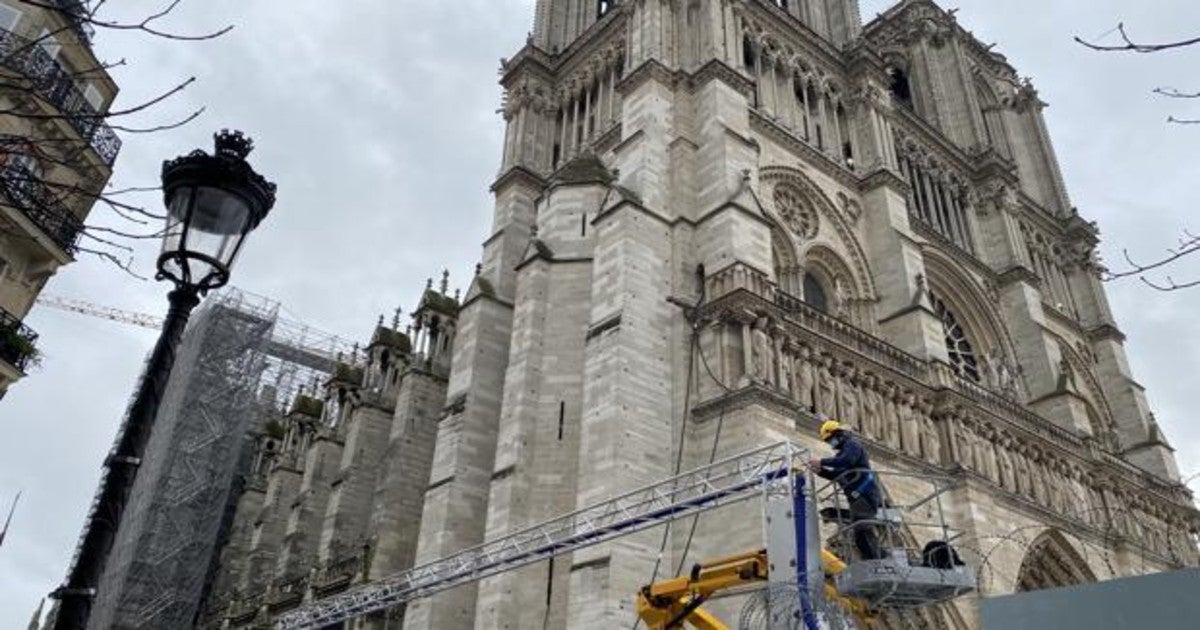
(716, 220)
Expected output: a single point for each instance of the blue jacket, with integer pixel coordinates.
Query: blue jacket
(851, 468)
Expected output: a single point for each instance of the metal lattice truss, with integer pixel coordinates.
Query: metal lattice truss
(724, 482)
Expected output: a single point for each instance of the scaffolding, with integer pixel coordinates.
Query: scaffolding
(238, 364)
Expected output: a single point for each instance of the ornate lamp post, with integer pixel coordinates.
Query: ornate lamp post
(213, 202)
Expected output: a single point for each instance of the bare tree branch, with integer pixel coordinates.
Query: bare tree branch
(37, 87)
(1188, 244)
(145, 25)
(1171, 92)
(1130, 46)
(1183, 121)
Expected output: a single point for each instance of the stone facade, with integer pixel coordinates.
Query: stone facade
(866, 222)
(55, 157)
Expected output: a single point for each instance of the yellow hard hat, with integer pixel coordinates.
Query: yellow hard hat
(828, 428)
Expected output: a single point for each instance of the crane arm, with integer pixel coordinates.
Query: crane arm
(671, 603)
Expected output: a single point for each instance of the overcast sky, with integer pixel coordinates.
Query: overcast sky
(377, 120)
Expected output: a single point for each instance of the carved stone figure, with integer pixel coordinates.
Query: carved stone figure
(805, 379)
(762, 354)
(826, 398)
(1005, 464)
(870, 406)
(931, 440)
(909, 429)
(962, 444)
(786, 365)
(848, 397)
(841, 298)
(891, 429)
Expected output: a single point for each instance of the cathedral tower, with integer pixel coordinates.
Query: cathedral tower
(715, 220)
(883, 235)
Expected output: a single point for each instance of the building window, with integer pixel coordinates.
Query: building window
(936, 199)
(901, 87)
(748, 55)
(49, 44)
(93, 97)
(958, 346)
(814, 293)
(782, 4)
(603, 7)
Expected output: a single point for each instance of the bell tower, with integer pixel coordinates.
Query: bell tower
(557, 23)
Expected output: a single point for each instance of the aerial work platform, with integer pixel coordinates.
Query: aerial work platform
(776, 474)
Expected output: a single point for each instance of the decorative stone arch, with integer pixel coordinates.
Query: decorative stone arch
(991, 113)
(789, 273)
(1089, 388)
(1051, 562)
(975, 312)
(836, 279)
(862, 282)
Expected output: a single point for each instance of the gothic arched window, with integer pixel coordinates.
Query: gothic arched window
(901, 87)
(958, 346)
(814, 293)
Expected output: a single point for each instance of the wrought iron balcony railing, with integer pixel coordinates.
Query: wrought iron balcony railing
(17, 341)
(26, 192)
(51, 81)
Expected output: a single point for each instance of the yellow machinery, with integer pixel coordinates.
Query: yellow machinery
(676, 601)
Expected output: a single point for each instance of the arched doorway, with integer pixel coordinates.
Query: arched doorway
(1052, 562)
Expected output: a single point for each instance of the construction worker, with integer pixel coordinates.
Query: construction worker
(851, 469)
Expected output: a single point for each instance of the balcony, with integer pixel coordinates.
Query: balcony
(40, 205)
(49, 80)
(16, 342)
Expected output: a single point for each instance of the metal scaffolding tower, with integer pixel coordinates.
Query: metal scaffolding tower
(236, 364)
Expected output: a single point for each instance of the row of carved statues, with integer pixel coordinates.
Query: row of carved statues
(910, 418)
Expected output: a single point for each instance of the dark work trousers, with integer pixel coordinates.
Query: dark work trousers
(864, 508)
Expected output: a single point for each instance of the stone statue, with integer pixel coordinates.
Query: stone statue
(785, 373)
(909, 428)
(805, 380)
(848, 399)
(962, 443)
(841, 299)
(826, 398)
(870, 407)
(1037, 478)
(1005, 464)
(987, 452)
(891, 429)
(931, 439)
(762, 354)
(1021, 473)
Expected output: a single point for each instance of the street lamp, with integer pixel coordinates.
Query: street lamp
(213, 202)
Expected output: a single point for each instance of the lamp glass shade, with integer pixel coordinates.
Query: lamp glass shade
(205, 229)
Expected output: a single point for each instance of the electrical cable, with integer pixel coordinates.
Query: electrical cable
(694, 342)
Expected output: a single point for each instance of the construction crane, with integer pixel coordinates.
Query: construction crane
(104, 312)
(291, 341)
(825, 590)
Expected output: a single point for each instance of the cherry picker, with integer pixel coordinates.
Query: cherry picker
(826, 589)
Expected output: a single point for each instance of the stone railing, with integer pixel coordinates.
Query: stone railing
(29, 194)
(1017, 414)
(895, 401)
(16, 341)
(848, 335)
(340, 570)
(738, 276)
(50, 81)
